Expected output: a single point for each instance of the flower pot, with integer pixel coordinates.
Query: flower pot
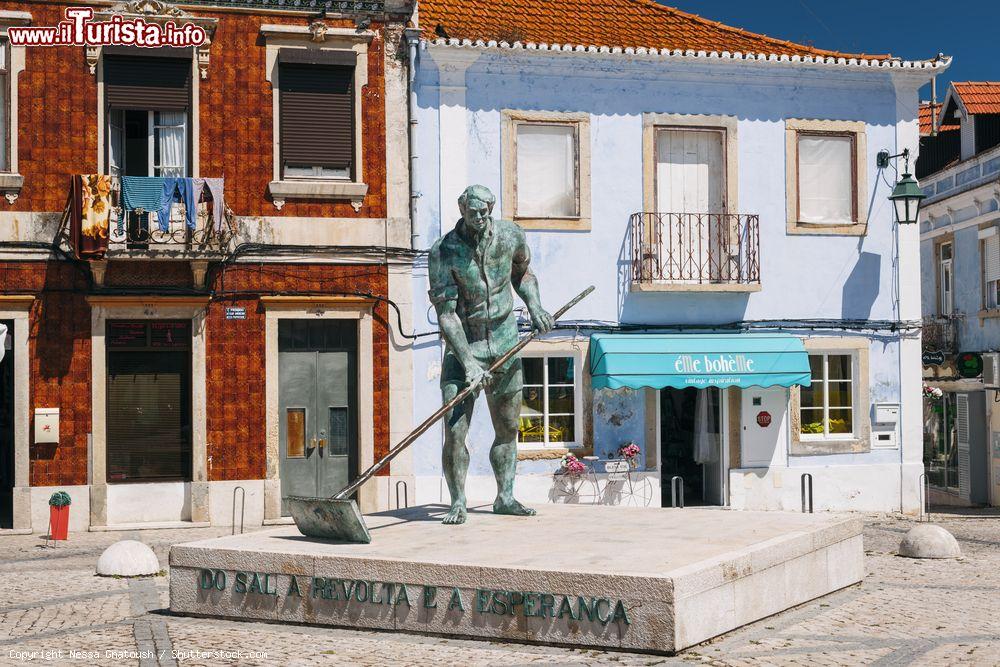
(58, 522)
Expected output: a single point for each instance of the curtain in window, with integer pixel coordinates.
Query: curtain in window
(546, 171)
(169, 129)
(825, 180)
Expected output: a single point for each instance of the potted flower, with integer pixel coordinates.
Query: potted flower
(933, 393)
(59, 515)
(570, 465)
(630, 451)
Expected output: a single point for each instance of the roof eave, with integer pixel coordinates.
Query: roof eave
(937, 64)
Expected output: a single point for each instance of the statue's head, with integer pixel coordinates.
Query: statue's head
(476, 205)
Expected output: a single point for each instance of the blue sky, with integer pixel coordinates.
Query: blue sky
(912, 29)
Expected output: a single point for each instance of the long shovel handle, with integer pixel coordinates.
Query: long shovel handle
(443, 410)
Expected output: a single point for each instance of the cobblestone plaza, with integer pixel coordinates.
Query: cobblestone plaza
(54, 609)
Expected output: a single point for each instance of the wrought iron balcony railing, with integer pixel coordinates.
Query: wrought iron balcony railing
(940, 334)
(101, 226)
(695, 249)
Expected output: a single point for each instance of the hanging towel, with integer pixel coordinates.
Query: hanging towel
(179, 190)
(215, 187)
(141, 192)
(91, 214)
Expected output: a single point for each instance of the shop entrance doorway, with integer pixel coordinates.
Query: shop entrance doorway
(692, 445)
(7, 428)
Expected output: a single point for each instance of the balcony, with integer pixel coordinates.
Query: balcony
(695, 252)
(940, 334)
(101, 229)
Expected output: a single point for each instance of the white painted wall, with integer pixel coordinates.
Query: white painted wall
(149, 503)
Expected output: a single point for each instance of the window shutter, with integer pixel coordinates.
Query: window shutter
(991, 258)
(962, 430)
(148, 416)
(147, 82)
(316, 115)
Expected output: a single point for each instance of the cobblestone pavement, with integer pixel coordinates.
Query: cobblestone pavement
(52, 608)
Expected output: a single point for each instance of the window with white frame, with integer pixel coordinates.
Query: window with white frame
(826, 407)
(946, 276)
(549, 402)
(547, 170)
(5, 114)
(147, 143)
(989, 242)
(826, 178)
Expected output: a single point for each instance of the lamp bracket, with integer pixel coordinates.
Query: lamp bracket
(883, 156)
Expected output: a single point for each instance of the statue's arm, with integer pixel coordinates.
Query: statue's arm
(444, 295)
(526, 285)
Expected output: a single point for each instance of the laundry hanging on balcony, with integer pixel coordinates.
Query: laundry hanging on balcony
(140, 193)
(177, 190)
(90, 214)
(215, 187)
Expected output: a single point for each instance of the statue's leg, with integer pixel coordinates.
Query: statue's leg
(455, 455)
(505, 410)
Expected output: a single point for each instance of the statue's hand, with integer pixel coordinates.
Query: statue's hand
(478, 374)
(542, 321)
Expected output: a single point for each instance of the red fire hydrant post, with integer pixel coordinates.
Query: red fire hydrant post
(59, 515)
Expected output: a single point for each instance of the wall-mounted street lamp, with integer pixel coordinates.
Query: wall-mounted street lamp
(906, 195)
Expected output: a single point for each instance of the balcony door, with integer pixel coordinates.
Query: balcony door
(690, 198)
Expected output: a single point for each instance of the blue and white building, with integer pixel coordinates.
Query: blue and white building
(757, 309)
(959, 169)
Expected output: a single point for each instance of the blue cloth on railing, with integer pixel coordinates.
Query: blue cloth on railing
(140, 192)
(177, 190)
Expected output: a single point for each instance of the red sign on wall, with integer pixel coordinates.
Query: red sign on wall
(763, 419)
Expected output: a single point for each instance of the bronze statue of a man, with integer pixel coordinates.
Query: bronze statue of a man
(472, 269)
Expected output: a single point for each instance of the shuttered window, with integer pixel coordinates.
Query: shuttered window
(991, 267)
(147, 82)
(316, 122)
(149, 401)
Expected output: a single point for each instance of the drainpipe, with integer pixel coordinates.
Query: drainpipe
(412, 36)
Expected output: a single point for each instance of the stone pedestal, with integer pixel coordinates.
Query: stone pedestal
(641, 579)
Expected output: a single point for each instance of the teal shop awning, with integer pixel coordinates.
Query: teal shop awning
(697, 360)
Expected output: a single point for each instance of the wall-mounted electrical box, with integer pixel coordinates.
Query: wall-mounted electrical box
(884, 440)
(887, 413)
(46, 425)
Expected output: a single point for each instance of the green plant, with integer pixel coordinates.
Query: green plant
(60, 499)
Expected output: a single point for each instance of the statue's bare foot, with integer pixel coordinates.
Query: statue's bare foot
(511, 506)
(456, 514)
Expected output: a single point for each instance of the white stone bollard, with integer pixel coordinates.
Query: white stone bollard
(926, 540)
(128, 558)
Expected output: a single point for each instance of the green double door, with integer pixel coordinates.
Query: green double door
(317, 366)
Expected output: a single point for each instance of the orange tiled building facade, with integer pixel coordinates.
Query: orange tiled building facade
(288, 256)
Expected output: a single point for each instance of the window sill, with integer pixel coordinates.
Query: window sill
(989, 313)
(695, 287)
(555, 224)
(809, 229)
(10, 186)
(329, 190)
(541, 454)
(819, 447)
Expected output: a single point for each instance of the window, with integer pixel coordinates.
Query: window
(5, 114)
(147, 143)
(148, 100)
(989, 251)
(316, 121)
(549, 408)
(826, 177)
(827, 406)
(945, 278)
(546, 169)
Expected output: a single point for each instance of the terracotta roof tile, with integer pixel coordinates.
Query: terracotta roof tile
(925, 119)
(979, 96)
(601, 23)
